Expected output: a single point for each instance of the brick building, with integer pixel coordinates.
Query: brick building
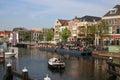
(113, 19)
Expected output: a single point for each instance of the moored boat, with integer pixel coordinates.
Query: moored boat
(9, 54)
(56, 63)
(75, 53)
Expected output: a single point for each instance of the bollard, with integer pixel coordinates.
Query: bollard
(9, 74)
(47, 78)
(25, 74)
(110, 59)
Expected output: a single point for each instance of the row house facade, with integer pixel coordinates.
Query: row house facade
(4, 35)
(38, 31)
(59, 25)
(83, 22)
(73, 26)
(113, 19)
(17, 35)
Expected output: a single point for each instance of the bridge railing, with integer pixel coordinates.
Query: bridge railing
(113, 69)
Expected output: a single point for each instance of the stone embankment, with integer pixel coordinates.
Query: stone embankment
(106, 54)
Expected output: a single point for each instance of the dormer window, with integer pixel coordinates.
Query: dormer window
(113, 11)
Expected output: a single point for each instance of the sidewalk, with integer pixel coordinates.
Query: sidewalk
(106, 54)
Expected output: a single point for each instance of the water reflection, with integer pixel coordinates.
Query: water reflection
(59, 71)
(77, 68)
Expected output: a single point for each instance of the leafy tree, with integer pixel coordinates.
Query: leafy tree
(100, 28)
(49, 35)
(65, 34)
(40, 37)
(26, 36)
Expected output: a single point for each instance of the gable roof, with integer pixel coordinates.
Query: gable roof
(5, 32)
(19, 29)
(78, 18)
(63, 22)
(89, 18)
(117, 7)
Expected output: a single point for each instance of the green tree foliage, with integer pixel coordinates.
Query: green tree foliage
(101, 28)
(49, 35)
(26, 36)
(40, 37)
(65, 34)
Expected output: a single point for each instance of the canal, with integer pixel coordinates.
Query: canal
(77, 68)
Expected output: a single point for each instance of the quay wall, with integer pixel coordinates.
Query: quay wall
(106, 54)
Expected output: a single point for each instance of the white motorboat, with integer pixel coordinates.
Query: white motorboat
(9, 54)
(56, 63)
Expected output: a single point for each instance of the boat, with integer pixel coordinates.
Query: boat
(75, 53)
(56, 63)
(10, 53)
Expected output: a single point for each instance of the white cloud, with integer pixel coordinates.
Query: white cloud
(66, 7)
(42, 9)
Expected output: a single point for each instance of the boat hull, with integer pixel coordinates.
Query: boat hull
(9, 54)
(75, 53)
(56, 66)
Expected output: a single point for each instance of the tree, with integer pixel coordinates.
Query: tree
(49, 34)
(26, 36)
(40, 37)
(65, 34)
(98, 29)
(102, 27)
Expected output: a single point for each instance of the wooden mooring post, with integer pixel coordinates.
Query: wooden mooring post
(113, 68)
(23, 76)
(10, 74)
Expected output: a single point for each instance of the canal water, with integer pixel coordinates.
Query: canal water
(77, 68)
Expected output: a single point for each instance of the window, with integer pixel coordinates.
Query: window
(109, 21)
(115, 21)
(118, 30)
(113, 11)
(110, 30)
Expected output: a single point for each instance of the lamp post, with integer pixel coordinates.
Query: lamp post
(114, 36)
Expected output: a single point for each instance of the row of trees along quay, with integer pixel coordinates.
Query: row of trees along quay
(48, 36)
(95, 30)
(89, 32)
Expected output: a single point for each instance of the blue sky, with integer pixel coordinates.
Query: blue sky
(43, 13)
